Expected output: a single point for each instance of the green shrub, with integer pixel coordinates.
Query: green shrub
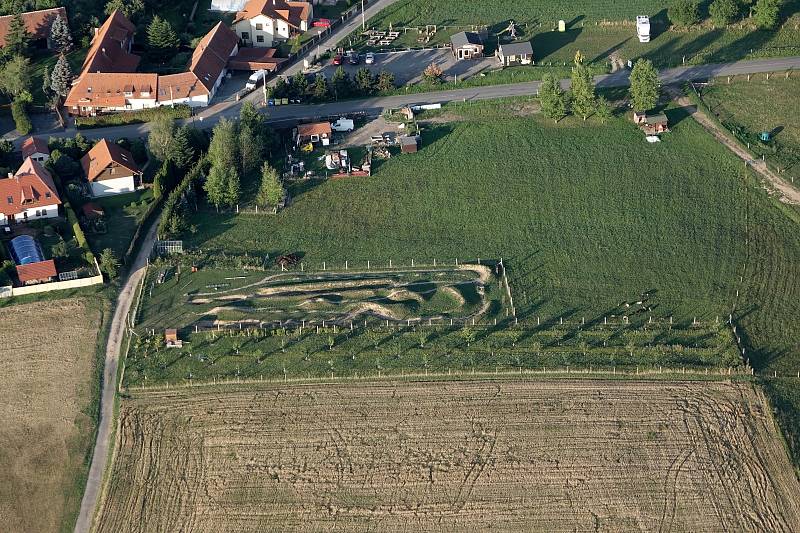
(684, 12)
(76, 227)
(19, 112)
(133, 117)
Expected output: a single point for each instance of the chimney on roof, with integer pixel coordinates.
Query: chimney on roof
(10, 174)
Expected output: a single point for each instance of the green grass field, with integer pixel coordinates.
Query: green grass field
(749, 108)
(595, 28)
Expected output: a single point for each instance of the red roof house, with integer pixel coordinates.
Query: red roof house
(36, 22)
(29, 194)
(36, 148)
(40, 272)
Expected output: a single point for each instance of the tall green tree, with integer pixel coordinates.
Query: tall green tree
(161, 38)
(385, 81)
(270, 191)
(723, 12)
(341, 84)
(216, 185)
(162, 137)
(109, 264)
(61, 77)
(251, 149)
(17, 39)
(232, 187)
(684, 12)
(767, 13)
(645, 85)
(321, 89)
(299, 85)
(603, 110)
(584, 100)
(552, 98)
(130, 8)
(181, 153)
(364, 81)
(60, 36)
(16, 77)
(223, 151)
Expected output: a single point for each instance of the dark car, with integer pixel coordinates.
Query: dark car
(353, 58)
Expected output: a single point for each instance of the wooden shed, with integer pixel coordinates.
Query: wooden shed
(409, 144)
(171, 338)
(466, 45)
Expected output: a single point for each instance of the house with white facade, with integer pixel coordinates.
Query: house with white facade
(207, 68)
(29, 194)
(36, 148)
(110, 169)
(265, 23)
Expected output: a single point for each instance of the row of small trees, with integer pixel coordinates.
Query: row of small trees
(765, 13)
(341, 85)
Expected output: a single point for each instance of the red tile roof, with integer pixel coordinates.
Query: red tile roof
(36, 22)
(316, 128)
(102, 155)
(43, 270)
(209, 59)
(255, 58)
(289, 11)
(107, 89)
(33, 145)
(109, 50)
(31, 187)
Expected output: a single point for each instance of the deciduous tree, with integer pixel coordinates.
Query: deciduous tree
(767, 13)
(723, 12)
(385, 81)
(584, 101)
(270, 192)
(684, 12)
(645, 85)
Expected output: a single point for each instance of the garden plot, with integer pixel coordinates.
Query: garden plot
(454, 456)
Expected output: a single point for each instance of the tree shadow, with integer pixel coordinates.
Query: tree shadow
(602, 56)
(550, 42)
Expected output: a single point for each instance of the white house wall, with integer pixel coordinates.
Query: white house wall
(249, 26)
(47, 211)
(113, 186)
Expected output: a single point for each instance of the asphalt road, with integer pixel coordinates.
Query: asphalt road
(290, 114)
(94, 482)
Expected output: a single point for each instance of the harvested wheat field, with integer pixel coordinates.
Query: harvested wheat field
(47, 372)
(452, 456)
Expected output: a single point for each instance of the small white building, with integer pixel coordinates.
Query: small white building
(267, 22)
(110, 169)
(515, 54)
(36, 148)
(28, 194)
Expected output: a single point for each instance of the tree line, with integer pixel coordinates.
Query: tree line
(341, 85)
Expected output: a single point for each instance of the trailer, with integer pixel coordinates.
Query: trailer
(643, 28)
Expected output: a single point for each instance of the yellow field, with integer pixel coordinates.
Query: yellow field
(452, 456)
(47, 368)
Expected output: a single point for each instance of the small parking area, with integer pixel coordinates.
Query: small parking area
(407, 67)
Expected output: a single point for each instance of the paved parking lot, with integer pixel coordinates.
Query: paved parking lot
(407, 67)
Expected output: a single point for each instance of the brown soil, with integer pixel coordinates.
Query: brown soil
(452, 456)
(47, 362)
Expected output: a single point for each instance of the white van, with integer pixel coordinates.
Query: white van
(343, 125)
(255, 79)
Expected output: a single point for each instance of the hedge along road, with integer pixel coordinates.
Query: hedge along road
(94, 482)
(290, 114)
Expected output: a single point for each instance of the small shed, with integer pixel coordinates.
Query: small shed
(36, 272)
(515, 54)
(651, 124)
(409, 144)
(466, 45)
(314, 132)
(171, 338)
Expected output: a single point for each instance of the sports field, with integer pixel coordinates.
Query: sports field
(453, 456)
(46, 423)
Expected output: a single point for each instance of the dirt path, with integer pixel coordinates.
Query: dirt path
(788, 194)
(102, 445)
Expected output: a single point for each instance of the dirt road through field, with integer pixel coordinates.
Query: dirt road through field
(113, 348)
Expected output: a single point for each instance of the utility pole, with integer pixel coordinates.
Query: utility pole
(363, 17)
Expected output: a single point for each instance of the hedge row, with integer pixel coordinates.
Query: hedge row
(174, 217)
(72, 218)
(133, 117)
(19, 112)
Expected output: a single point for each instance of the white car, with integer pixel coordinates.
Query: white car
(643, 28)
(369, 58)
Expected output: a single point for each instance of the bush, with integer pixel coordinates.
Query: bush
(723, 12)
(133, 117)
(684, 12)
(76, 227)
(19, 112)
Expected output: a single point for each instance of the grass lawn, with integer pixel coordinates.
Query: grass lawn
(595, 28)
(749, 108)
(123, 214)
(47, 59)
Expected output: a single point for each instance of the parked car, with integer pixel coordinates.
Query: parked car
(337, 59)
(353, 58)
(322, 23)
(255, 79)
(343, 125)
(369, 58)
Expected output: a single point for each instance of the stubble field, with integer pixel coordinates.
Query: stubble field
(45, 422)
(452, 456)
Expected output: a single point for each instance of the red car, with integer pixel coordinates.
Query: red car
(322, 23)
(337, 59)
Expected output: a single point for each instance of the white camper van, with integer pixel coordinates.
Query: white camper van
(643, 28)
